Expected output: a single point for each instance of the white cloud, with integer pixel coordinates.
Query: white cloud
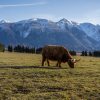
(23, 5)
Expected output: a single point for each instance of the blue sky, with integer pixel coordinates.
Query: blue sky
(74, 10)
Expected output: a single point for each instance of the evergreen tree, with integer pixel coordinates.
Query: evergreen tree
(27, 49)
(32, 50)
(73, 53)
(2, 47)
(10, 48)
(83, 53)
(90, 54)
(38, 50)
(24, 49)
(96, 53)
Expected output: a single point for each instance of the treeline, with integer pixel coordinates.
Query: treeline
(72, 52)
(94, 53)
(24, 49)
(27, 49)
(21, 49)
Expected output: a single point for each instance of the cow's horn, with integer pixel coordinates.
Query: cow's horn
(77, 60)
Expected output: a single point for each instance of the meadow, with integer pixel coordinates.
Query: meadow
(23, 78)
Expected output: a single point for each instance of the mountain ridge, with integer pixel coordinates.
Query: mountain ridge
(39, 32)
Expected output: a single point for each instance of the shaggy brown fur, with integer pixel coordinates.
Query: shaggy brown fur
(56, 53)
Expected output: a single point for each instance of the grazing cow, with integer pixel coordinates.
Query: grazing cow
(57, 53)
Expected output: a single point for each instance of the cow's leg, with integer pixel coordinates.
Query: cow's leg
(43, 60)
(59, 63)
(48, 62)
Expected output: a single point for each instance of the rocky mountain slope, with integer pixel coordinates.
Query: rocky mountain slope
(40, 32)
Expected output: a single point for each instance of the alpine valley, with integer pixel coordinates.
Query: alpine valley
(39, 32)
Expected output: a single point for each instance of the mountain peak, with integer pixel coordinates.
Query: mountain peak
(4, 21)
(64, 20)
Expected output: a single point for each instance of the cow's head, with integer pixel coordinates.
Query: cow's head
(72, 62)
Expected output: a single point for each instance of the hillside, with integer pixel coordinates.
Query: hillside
(39, 32)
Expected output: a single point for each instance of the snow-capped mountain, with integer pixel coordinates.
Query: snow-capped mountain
(91, 30)
(64, 23)
(40, 32)
(4, 21)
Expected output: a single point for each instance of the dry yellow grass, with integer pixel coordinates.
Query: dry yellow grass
(48, 83)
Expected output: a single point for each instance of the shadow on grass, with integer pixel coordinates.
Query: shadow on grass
(23, 67)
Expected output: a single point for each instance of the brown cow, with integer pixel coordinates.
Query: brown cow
(57, 53)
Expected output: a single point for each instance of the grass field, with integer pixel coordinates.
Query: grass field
(23, 78)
